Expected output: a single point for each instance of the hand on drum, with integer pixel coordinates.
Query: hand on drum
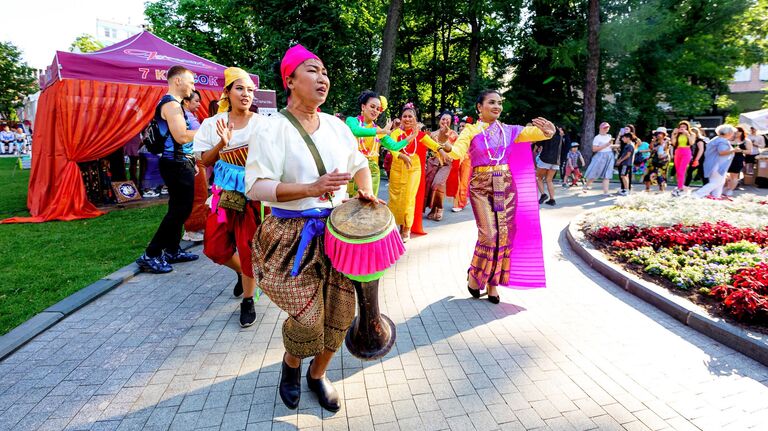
(368, 196)
(329, 183)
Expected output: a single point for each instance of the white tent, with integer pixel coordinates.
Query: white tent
(756, 119)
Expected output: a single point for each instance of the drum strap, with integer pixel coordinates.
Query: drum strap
(310, 143)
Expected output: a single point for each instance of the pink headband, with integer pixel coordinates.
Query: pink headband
(292, 59)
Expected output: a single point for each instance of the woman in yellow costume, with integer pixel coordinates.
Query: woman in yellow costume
(371, 138)
(407, 175)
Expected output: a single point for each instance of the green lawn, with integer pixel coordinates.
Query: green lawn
(43, 263)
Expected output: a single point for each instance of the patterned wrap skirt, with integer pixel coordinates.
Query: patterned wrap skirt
(436, 180)
(320, 301)
(495, 229)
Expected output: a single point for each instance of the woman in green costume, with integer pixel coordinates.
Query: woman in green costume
(370, 137)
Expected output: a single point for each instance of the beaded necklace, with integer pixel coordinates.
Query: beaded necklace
(497, 158)
(415, 145)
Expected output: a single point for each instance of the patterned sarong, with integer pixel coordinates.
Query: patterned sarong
(320, 301)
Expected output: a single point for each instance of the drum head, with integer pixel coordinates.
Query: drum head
(357, 219)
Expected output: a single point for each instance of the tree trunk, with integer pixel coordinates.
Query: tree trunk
(590, 82)
(446, 40)
(433, 80)
(389, 45)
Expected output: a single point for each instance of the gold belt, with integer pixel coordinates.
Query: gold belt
(494, 168)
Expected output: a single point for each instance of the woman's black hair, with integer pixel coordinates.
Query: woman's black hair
(213, 107)
(483, 94)
(367, 95)
(194, 92)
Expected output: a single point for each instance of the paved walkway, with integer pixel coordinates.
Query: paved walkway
(167, 352)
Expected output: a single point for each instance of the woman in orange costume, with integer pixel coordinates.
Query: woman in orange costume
(406, 178)
(439, 169)
(458, 180)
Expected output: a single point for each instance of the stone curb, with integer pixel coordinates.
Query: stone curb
(40, 322)
(751, 344)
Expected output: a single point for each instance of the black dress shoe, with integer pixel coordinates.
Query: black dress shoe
(474, 292)
(290, 386)
(326, 393)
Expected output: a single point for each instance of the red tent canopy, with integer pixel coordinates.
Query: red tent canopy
(92, 104)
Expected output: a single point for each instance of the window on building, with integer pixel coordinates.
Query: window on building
(764, 72)
(743, 74)
(106, 32)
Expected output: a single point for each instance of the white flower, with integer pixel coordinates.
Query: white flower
(646, 210)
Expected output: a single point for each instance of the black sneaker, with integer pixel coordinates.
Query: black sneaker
(238, 290)
(542, 198)
(247, 312)
(180, 256)
(550, 202)
(155, 265)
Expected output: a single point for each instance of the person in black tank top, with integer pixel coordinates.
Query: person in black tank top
(743, 146)
(177, 167)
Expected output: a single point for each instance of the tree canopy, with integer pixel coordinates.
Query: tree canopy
(85, 43)
(659, 59)
(16, 79)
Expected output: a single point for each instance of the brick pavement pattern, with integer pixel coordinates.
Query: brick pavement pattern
(166, 352)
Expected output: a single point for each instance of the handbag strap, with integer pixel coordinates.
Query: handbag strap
(310, 143)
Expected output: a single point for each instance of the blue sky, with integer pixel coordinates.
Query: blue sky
(45, 26)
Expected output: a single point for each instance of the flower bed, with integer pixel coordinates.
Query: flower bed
(715, 251)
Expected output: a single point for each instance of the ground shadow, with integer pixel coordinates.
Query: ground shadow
(251, 399)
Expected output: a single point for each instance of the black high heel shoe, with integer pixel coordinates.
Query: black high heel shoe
(494, 299)
(474, 292)
(326, 393)
(290, 385)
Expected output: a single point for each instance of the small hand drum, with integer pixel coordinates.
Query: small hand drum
(362, 241)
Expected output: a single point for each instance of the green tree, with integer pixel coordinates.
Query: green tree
(547, 76)
(254, 36)
(85, 43)
(451, 49)
(16, 79)
(669, 60)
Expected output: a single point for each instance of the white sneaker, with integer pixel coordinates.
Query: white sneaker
(457, 210)
(150, 194)
(193, 236)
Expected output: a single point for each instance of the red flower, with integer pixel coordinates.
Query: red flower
(706, 234)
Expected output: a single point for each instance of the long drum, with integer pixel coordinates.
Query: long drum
(362, 241)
